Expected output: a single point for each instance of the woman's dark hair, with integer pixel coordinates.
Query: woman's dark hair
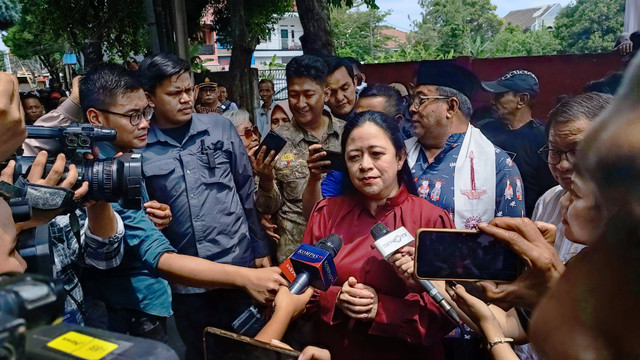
(390, 127)
(155, 68)
(586, 106)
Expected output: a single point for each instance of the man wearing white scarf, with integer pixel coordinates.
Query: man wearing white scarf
(488, 183)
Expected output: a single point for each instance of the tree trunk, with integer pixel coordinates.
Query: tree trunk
(314, 17)
(242, 84)
(92, 52)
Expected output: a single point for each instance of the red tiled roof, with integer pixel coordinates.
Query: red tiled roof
(398, 37)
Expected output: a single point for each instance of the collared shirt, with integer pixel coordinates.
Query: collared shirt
(262, 119)
(135, 283)
(291, 175)
(202, 109)
(435, 180)
(522, 145)
(64, 115)
(228, 105)
(408, 323)
(207, 180)
(96, 251)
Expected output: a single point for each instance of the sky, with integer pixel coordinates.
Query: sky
(402, 9)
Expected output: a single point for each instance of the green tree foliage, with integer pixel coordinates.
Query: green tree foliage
(456, 20)
(9, 13)
(118, 28)
(590, 26)
(512, 41)
(358, 33)
(260, 15)
(31, 38)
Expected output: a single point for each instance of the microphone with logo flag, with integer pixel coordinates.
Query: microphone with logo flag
(388, 242)
(308, 266)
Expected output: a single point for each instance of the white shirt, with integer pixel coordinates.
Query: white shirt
(548, 210)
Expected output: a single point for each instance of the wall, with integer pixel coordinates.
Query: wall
(558, 74)
(289, 21)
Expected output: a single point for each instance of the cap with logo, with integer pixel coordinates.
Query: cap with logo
(519, 81)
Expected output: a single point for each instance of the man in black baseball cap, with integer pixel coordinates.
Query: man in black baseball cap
(517, 132)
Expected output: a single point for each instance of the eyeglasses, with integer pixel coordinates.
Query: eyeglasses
(249, 132)
(419, 100)
(134, 118)
(554, 157)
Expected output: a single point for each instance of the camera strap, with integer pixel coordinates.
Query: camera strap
(8, 191)
(48, 197)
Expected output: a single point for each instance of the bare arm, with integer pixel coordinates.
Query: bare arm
(262, 284)
(102, 219)
(12, 127)
(287, 307)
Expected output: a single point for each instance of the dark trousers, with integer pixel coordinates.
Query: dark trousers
(137, 323)
(217, 308)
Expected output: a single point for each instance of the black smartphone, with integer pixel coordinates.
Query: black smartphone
(337, 160)
(272, 141)
(465, 255)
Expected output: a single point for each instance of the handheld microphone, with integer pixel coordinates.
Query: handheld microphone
(308, 265)
(388, 242)
(314, 265)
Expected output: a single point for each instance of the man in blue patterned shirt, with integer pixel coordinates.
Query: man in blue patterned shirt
(454, 166)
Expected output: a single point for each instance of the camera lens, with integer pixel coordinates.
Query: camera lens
(115, 180)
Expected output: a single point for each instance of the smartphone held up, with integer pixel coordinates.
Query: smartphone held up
(465, 255)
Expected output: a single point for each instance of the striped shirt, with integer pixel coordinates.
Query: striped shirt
(549, 210)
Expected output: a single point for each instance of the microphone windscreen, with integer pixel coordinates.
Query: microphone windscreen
(379, 230)
(331, 243)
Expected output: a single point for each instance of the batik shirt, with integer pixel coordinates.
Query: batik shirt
(435, 181)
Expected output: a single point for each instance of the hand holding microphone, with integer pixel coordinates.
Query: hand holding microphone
(403, 260)
(389, 243)
(308, 266)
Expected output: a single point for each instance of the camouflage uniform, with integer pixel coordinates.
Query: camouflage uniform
(291, 175)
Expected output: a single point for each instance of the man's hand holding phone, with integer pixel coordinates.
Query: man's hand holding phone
(317, 162)
(531, 242)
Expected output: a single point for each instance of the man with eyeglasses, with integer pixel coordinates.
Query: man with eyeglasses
(137, 298)
(456, 167)
(517, 133)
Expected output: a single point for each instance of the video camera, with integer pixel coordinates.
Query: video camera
(110, 179)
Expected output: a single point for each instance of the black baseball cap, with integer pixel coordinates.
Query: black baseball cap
(448, 74)
(519, 81)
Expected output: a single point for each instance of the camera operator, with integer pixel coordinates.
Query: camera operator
(138, 301)
(100, 230)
